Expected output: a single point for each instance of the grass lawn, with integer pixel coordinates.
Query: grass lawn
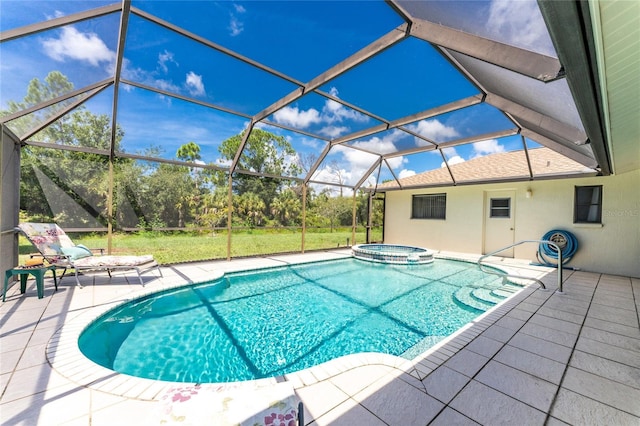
(183, 247)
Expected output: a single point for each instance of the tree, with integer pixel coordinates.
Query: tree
(306, 160)
(250, 209)
(80, 176)
(165, 192)
(215, 208)
(55, 84)
(266, 153)
(286, 207)
(189, 152)
(336, 210)
(338, 175)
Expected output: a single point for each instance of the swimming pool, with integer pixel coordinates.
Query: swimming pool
(270, 322)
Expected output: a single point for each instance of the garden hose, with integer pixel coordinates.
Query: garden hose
(565, 240)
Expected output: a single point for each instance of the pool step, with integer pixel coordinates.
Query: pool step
(501, 292)
(505, 291)
(463, 296)
(484, 295)
(483, 298)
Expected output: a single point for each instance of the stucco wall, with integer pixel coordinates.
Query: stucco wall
(612, 248)
(9, 200)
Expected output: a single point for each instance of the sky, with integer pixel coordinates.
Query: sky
(298, 40)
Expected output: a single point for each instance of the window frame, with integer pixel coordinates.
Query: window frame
(578, 208)
(432, 211)
(493, 208)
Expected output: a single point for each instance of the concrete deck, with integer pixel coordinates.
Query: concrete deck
(538, 358)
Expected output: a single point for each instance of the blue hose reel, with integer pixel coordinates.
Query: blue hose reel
(548, 254)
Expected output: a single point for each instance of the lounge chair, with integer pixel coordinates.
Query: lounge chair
(55, 246)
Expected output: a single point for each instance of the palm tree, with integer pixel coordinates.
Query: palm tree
(250, 208)
(286, 207)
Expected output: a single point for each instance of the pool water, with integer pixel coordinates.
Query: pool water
(270, 322)
(392, 248)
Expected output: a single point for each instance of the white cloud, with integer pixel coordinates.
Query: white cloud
(312, 143)
(166, 85)
(453, 160)
(358, 161)
(163, 59)
(235, 26)
(292, 116)
(127, 88)
(194, 84)
(434, 130)
(333, 91)
(396, 162)
(332, 106)
(56, 14)
(289, 160)
(352, 164)
(330, 174)
(384, 145)
(72, 44)
(406, 173)
(332, 112)
(130, 72)
(223, 162)
(519, 23)
(333, 131)
(164, 99)
(487, 147)
(335, 111)
(138, 74)
(259, 125)
(480, 149)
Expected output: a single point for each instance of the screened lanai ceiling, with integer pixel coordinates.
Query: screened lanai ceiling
(365, 91)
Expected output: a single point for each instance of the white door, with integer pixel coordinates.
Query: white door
(499, 220)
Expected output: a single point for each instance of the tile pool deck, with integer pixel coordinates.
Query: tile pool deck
(538, 358)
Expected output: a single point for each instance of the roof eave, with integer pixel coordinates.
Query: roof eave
(556, 176)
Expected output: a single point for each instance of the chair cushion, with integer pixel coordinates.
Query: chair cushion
(113, 261)
(241, 404)
(76, 252)
(48, 238)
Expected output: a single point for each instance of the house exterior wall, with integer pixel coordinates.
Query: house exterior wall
(9, 200)
(612, 248)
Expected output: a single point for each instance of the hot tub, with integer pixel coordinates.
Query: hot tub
(392, 253)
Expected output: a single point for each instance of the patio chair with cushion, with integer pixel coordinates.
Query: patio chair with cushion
(55, 246)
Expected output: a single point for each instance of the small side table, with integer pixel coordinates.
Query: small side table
(24, 271)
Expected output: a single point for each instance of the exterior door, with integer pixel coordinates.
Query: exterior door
(499, 221)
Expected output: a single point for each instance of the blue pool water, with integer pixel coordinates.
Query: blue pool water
(391, 248)
(269, 322)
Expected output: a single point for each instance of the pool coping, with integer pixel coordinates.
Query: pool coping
(65, 357)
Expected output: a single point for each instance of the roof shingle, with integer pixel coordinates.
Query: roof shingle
(500, 166)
